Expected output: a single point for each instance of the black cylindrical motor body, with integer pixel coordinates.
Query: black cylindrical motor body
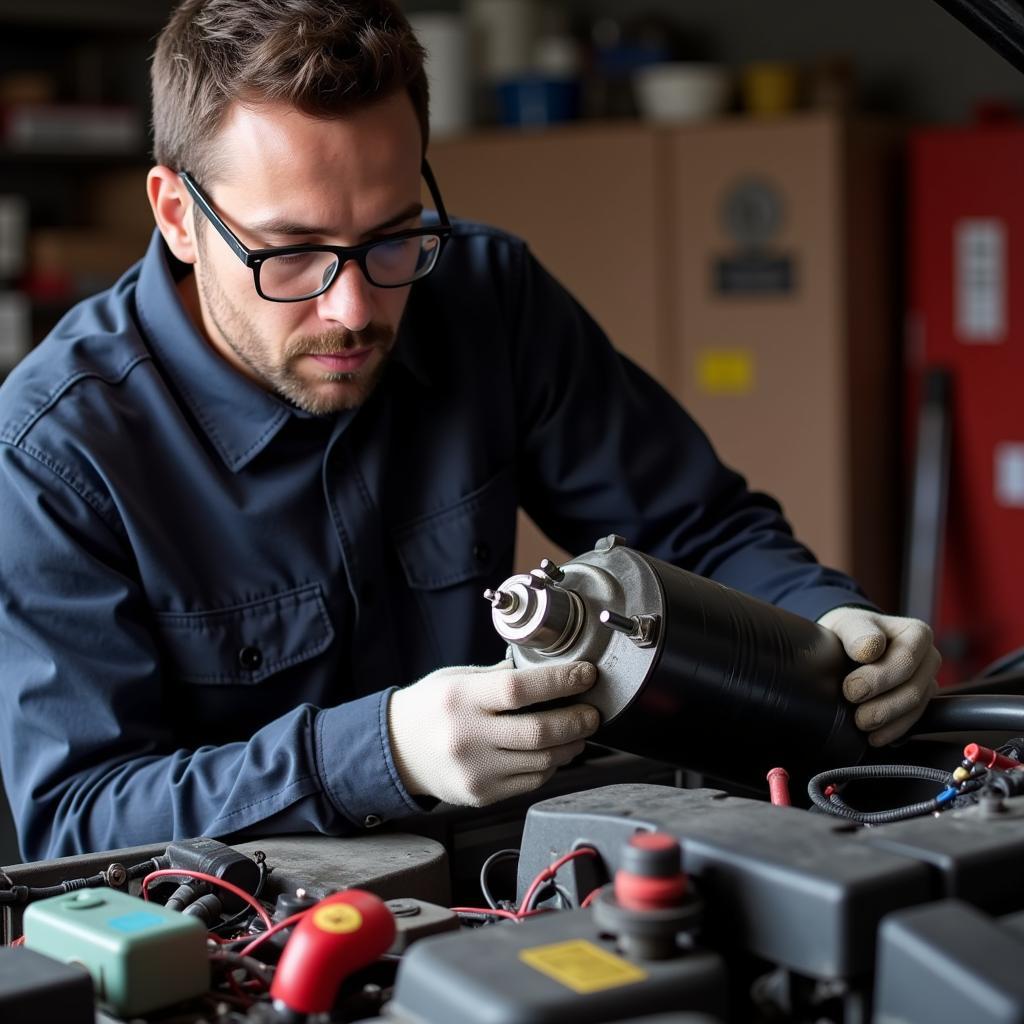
(689, 671)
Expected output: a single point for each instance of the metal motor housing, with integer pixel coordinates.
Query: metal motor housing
(689, 671)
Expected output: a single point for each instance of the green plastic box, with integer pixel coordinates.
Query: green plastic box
(141, 956)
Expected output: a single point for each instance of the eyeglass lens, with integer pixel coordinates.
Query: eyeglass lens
(389, 263)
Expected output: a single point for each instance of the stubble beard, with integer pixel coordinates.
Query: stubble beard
(311, 392)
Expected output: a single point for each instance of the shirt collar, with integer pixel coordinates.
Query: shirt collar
(239, 417)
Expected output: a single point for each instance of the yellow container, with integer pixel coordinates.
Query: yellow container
(770, 88)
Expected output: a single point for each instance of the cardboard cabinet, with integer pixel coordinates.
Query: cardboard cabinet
(753, 276)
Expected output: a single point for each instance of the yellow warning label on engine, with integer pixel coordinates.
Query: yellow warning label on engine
(338, 918)
(582, 966)
(725, 371)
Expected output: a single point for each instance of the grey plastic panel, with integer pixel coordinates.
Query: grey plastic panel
(479, 976)
(948, 963)
(784, 884)
(971, 855)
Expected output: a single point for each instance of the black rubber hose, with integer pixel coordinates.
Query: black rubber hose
(1008, 683)
(834, 805)
(974, 713)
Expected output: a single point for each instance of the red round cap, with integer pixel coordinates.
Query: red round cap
(651, 875)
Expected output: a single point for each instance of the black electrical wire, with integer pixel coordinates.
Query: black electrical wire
(1013, 661)
(26, 894)
(835, 805)
(973, 713)
(485, 869)
(563, 895)
(541, 893)
(185, 895)
(13, 894)
(1007, 681)
(137, 871)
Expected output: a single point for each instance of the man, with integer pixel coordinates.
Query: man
(247, 494)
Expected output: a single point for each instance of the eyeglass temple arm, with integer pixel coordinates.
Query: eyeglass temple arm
(222, 229)
(435, 193)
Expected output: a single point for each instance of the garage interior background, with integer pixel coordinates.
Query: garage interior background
(790, 264)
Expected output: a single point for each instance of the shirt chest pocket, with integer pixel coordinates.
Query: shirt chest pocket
(246, 643)
(472, 539)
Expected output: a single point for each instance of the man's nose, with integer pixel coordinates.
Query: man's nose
(349, 300)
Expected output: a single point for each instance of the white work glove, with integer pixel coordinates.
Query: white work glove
(895, 675)
(451, 736)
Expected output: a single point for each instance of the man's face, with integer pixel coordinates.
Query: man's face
(289, 179)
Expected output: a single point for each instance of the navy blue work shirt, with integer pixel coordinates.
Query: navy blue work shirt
(207, 596)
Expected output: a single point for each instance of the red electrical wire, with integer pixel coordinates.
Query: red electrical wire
(591, 896)
(273, 930)
(213, 880)
(549, 872)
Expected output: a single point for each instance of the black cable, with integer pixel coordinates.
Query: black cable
(1013, 661)
(17, 894)
(185, 895)
(563, 895)
(975, 713)
(836, 806)
(137, 871)
(1007, 682)
(486, 867)
(480, 917)
(26, 893)
(257, 968)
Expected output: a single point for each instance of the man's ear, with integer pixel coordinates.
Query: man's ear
(172, 210)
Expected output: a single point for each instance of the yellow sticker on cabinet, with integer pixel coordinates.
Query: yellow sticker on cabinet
(725, 371)
(582, 966)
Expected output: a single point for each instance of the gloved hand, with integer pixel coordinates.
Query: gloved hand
(451, 739)
(895, 677)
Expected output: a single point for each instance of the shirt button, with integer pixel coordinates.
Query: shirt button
(250, 658)
(371, 821)
(481, 552)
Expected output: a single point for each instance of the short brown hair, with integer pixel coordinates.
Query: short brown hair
(327, 58)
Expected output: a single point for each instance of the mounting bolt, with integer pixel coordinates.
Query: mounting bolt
(116, 875)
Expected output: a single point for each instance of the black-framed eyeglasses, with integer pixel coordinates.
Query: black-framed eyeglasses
(294, 273)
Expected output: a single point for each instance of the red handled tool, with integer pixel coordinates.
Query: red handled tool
(339, 935)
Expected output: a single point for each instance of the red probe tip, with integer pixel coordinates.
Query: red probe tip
(778, 786)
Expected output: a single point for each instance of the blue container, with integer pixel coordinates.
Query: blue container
(533, 101)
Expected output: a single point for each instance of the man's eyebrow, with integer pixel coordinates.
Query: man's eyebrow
(282, 226)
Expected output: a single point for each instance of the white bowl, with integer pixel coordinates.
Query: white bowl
(681, 91)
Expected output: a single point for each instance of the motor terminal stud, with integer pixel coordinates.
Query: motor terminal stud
(551, 570)
(501, 601)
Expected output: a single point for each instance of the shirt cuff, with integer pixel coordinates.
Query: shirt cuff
(812, 604)
(352, 749)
